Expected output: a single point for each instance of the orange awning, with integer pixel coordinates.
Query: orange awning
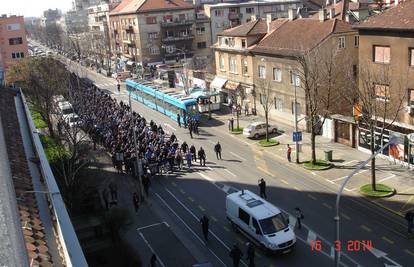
(232, 85)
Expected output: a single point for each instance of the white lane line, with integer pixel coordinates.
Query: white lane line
(229, 172)
(152, 225)
(237, 156)
(313, 173)
(349, 162)
(210, 180)
(188, 227)
(197, 219)
(386, 178)
(152, 250)
(209, 168)
(343, 177)
(349, 190)
(329, 181)
(311, 237)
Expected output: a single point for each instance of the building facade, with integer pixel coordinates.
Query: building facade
(386, 51)
(13, 45)
(227, 15)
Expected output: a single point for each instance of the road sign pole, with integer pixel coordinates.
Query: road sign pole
(296, 122)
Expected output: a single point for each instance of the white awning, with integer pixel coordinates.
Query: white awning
(218, 83)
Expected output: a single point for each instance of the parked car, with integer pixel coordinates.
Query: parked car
(71, 119)
(257, 129)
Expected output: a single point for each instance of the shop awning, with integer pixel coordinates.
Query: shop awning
(232, 85)
(218, 83)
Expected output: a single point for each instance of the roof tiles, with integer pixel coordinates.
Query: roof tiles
(138, 6)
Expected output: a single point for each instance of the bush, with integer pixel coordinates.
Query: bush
(38, 121)
(265, 143)
(382, 190)
(237, 130)
(54, 151)
(319, 165)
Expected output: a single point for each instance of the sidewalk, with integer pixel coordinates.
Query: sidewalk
(345, 159)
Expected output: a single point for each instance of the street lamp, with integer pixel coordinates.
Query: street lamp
(138, 165)
(295, 77)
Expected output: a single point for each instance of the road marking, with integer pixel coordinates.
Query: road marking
(313, 173)
(283, 181)
(386, 178)
(209, 168)
(409, 252)
(346, 216)
(311, 237)
(237, 156)
(214, 218)
(182, 191)
(188, 227)
(349, 162)
(329, 181)
(226, 228)
(265, 171)
(201, 208)
(312, 197)
(387, 240)
(230, 173)
(406, 203)
(343, 177)
(326, 205)
(332, 252)
(191, 199)
(213, 182)
(366, 228)
(349, 190)
(152, 225)
(296, 188)
(152, 250)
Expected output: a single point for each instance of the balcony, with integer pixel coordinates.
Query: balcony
(128, 28)
(234, 15)
(176, 23)
(178, 38)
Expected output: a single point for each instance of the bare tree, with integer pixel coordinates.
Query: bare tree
(378, 101)
(264, 89)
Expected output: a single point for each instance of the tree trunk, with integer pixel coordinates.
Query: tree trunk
(237, 118)
(372, 146)
(313, 138)
(267, 125)
(50, 127)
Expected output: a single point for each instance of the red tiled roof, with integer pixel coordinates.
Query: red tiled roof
(137, 6)
(295, 37)
(400, 17)
(254, 27)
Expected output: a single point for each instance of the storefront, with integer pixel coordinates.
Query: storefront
(217, 85)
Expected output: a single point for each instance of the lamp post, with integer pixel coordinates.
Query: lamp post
(296, 119)
(138, 166)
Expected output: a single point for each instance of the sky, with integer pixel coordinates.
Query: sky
(32, 8)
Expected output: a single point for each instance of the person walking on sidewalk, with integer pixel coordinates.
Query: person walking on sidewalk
(299, 217)
(135, 201)
(202, 156)
(262, 188)
(179, 159)
(289, 153)
(184, 147)
(118, 86)
(179, 120)
(204, 227)
(193, 152)
(236, 254)
(409, 216)
(189, 158)
(217, 149)
(250, 254)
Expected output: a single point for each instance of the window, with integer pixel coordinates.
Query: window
(262, 72)
(200, 30)
(356, 41)
(243, 43)
(168, 18)
(169, 49)
(218, 13)
(382, 54)
(273, 224)
(245, 68)
(244, 216)
(297, 108)
(18, 55)
(411, 97)
(181, 17)
(355, 71)
(201, 45)
(13, 27)
(233, 65)
(382, 92)
(169, 33)
(249, 10)
(294, 78)
(278, 104)
(153, 35)
(277, 75)
(21, 55)
(411, 57)
(154, 50)
(13, 55)
(341, 42)
(221, 59)
(15, 41)
(256, 226)
(151, 20)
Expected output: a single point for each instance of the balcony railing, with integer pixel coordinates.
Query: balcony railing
(177, 38)
(233, 15)
(176, 23)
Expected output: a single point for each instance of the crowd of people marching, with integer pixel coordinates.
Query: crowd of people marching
(126, 135)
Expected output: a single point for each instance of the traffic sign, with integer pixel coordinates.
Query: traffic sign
(297, 136)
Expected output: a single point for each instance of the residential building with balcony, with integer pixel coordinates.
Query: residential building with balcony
(386, 52)
(50, 17)
(152, 31)
(226, 15)
(13, 43)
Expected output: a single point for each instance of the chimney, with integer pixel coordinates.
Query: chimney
(291, 14)
(332, 12)
(253, 17)
(269, 18)
(322, 15)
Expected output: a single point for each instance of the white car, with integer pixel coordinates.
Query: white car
(71, 119)
(65, 108)
(257, 129)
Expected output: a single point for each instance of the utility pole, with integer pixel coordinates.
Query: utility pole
(296, 120)
(138, 169)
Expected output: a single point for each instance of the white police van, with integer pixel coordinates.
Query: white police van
(260, 221)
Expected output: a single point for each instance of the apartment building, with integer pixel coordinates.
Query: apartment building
(386, 51)
(13, 43)
(152, 31)
(50, 17)
(226, 15)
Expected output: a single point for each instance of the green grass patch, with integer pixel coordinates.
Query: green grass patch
(382, 190)
(54, 151)
(237, 130)
(38, 121)
(266, 143)
(319, 165)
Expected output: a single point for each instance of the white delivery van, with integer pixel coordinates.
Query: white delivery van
(260, 221)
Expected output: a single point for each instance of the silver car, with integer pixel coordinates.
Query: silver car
(257, 129)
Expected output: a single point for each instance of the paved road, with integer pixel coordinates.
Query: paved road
(191, 194)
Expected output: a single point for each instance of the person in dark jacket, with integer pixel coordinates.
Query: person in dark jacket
(202, 156)
(179, 120)
(204, 226)
(217, 149)
(409, 216)
(236, 254)
(262, 188)
(250, 254)
(193, 151)
(299, 217)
